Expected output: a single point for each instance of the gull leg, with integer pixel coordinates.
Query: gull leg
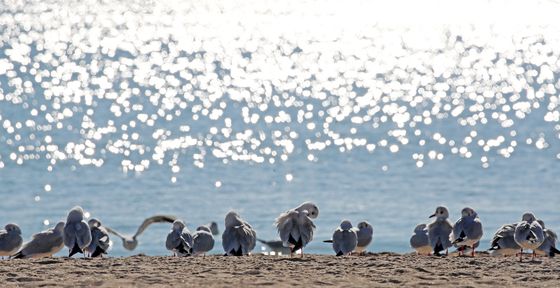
(301, 252)
(534, 255)
(473, 250)
(446, 252)
(521, 255)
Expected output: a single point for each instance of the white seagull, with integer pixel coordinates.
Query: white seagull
(43, 244)
(528, 234)
(238, 238)
(295, 226)
(344, 239)
(419, 240)
(467, 231)
(440, 230)
(130, 242)
(179, 240)
(10, 240)
(77, 235)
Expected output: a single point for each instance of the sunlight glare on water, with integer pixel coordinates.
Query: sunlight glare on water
(194, 91)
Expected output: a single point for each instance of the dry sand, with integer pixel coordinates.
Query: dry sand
(382, 269)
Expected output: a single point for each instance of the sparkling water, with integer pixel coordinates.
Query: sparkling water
(132, 108)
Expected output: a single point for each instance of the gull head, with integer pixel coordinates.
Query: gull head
(468, 212)
(364, 225)
(345, 225)
(12, 228)
(94, 222)
(312, 209)
(178, 225)
(441, 213)
(420, 228)
(232, 219)
(75, 215)
(214, 228)
(59, 226)
(204, 228)
(528, 217)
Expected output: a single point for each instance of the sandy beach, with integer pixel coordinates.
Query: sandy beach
(382, 269)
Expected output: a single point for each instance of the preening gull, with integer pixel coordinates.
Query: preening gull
(100, 241)
(296, 227)
(238, 238)
(179, 240)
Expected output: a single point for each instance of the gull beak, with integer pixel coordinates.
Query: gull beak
(433, 215)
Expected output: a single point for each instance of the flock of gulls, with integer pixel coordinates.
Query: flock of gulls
(295, 228)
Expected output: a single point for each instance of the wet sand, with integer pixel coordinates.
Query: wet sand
(381, 269)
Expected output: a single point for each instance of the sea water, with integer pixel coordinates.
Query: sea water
(192, 109)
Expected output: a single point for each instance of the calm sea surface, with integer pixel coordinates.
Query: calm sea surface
(138, 108)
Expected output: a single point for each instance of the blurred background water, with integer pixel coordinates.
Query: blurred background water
(131, 109)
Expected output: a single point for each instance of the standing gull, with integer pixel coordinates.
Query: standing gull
(10, 240)
(503, 243)
(528, 234)
(467, 231)
(295, 226)
(203, 241)
(179, 240)
(419, 240)
(345, 239)
(100, 241)
(439, 231)
(548, 247)
(130, 243)
(77, 235)
(365, 235)
(43, 244)
(238, 238)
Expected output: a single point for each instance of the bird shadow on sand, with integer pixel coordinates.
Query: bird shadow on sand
(293, 259)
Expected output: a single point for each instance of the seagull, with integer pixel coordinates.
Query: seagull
(100, 241)
(345, 239)
(419, 240)
(503, 242)
(365, 235)
(439, 231)
(295, 226)
(275, 245)
(296, 230)
(203, 241)
(528, 234)
(467, 231)
(548, 247)
(179, 240)
(238, 238)
(10, 240)
(130, 243)
(77, 235)
(43, 244)
(213, 228)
